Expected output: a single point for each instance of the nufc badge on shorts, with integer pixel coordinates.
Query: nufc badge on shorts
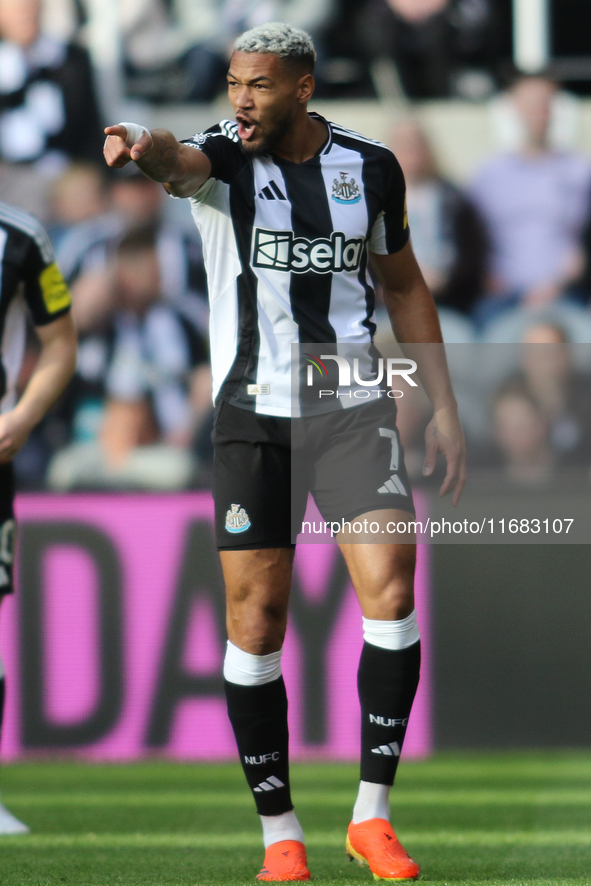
(237, 520)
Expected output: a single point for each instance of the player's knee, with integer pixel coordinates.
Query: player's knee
(396, 602)
(257, 626)
(258, 639)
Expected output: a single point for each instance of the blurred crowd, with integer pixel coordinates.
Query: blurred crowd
(525, 409)
(176, 50)
(507, 255)
(138, 412)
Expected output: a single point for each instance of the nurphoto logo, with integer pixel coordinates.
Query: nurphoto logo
(382, 380)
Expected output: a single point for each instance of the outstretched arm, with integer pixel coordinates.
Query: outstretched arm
(181, 169)
(414, 320)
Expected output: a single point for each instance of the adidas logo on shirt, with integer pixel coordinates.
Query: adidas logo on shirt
(388, 750)
(271, 192)
(271, 784)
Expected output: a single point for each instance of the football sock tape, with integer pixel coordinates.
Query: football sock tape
(246, 669)
(392, 634)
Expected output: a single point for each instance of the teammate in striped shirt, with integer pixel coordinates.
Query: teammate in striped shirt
(291, 209)
(29, 280)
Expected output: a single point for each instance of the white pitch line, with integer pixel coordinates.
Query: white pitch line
(314, 839)
(401, 798)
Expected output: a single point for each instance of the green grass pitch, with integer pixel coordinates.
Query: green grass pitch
(467, 818)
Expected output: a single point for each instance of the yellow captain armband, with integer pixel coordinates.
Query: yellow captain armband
(405, 221)
(56, 294)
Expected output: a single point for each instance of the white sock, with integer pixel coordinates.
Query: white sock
(247, 669)
(392, 634)
(373, 801)
(281, 827)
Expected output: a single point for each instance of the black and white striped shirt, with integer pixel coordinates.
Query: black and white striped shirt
(29, 278)
(286, 251)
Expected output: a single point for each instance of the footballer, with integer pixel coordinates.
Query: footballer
(292, 209)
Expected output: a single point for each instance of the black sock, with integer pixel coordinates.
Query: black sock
(387, 682)
(258, 715)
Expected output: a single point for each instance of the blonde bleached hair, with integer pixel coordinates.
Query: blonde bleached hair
(279, 38)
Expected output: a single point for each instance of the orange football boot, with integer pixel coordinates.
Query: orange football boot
(374, 843)
(285, 860)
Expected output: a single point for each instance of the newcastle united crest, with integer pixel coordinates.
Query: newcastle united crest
(344, 191)
(237, 520)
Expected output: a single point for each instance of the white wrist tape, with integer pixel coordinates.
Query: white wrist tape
(134, 133)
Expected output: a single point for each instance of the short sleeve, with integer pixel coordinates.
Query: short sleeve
(221, 145)
(46, 292)
(390, 231)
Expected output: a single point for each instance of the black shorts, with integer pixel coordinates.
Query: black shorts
(7, 528)
(351, 461)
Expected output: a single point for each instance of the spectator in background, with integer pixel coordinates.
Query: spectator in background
(136, 345)
(582, 285)
(78, 195)
(215, 26)
(439, 47)
(48, 108)
(562, 392)
(125, 455)
(522, 433)
(534, 202)
(155, 348)
(309, 15)
(136, 202)
(447, 233)
(179, 50)
(160, 50)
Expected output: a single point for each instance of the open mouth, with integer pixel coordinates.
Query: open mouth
(246, 128)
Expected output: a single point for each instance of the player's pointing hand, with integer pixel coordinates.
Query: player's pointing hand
(125, 142)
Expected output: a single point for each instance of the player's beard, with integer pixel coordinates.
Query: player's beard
(272, 136)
